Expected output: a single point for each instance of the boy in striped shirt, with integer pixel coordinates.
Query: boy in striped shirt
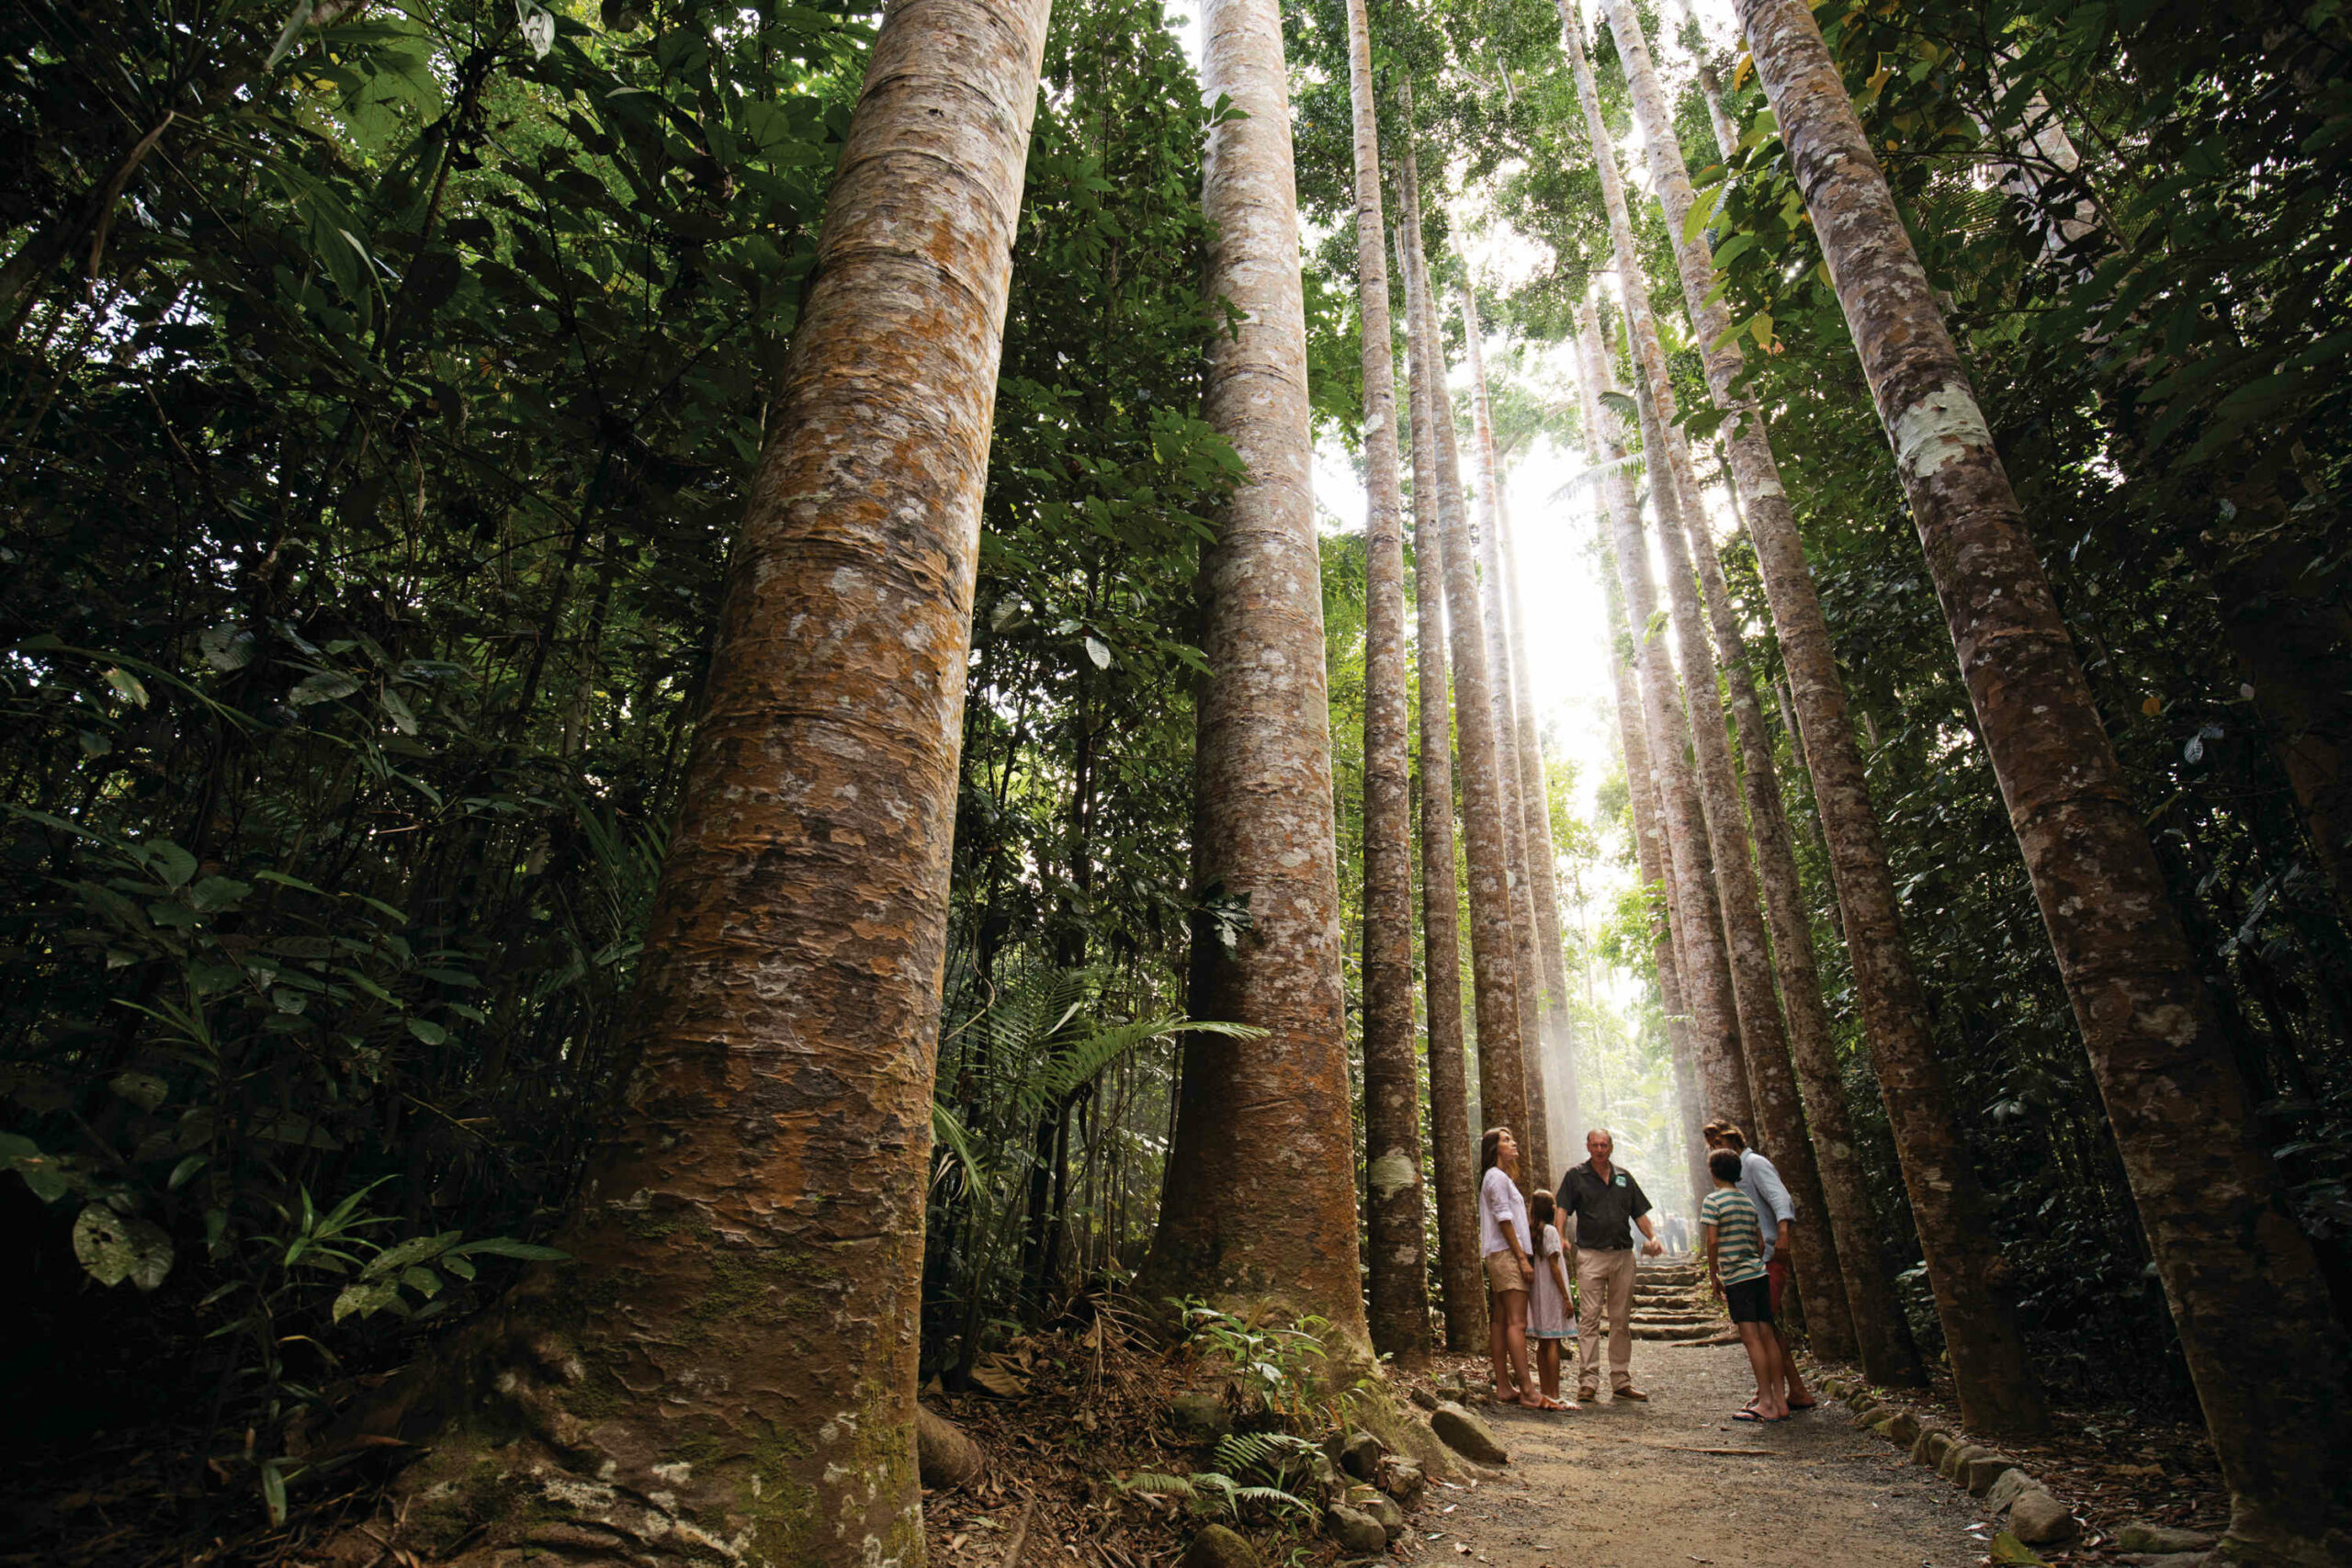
(1733, 1241)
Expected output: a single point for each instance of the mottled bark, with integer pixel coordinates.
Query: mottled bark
(2262, 1342)
(1711, 88)
(1399, 1308)
(1990, 1370)
(1701, 962)
(1534, 1138)
(1494, 953)
(1649, 852)
(1535, 807)
(1453, 1141)
(1260, 1202)
(1779, 1123)
(1876, 1326)
(725, 1374)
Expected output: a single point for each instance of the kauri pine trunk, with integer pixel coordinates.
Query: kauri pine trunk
(1399, 1308)
(1995, 1383)
(1453, 1143)
(1259, 1204)
(727, 1367)
(2257, 1328)
(1536, 1137)
(1702, 964)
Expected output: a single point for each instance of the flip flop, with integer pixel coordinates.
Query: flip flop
(1759, 1420)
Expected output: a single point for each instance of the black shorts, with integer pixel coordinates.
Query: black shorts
(1750, 1300)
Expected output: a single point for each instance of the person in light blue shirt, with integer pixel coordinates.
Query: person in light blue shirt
(1776, 1213)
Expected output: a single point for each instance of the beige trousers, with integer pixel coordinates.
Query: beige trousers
(1604, 1276)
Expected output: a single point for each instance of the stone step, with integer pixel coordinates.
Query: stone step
(1673, 1331)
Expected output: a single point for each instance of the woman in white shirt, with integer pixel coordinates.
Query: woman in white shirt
(1502, 1237)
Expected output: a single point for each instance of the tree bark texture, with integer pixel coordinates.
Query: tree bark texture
(726, 1372)
(1994, 1379)
(1494, 952)
(1650, 849)
(1399, 1309)
(1536, 1137)
(1260, 1202)
(1876, 1322)
(1764, 1042)
(1535, 805)
(1702, 964)
(2256, 1329)
(1453, 1142)
(1711, 88)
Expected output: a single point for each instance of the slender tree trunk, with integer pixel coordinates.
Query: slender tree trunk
(1711, 88)
(1764, 1042)
(730, 1358)
(1882, 1338)
(1400, 1313)
(1649, 851)
(1536, 1136)
(1701, 963)
(1494, 953)
(1535, 803)
(1804, 779)
(1263, 766)
(2256, 1329)
(1990, 1370)
(1452, 1139)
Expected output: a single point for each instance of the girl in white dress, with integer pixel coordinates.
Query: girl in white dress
(1551, 1316)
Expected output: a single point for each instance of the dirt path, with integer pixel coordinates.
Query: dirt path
(1614, 1487)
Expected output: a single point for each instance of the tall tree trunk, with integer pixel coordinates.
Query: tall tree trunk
(1990, 1370)
(730, 1358)
(1453, 1142)
(1804, 779)
(1399, 1312)
(2256, 1329)
(1711, 88)
(1701, 962)
(1649, 851)
(1263, 766)
(1764, 1042)
(1535, 803)
(1882, 1336)
(1536, 1137)
(1494, 953)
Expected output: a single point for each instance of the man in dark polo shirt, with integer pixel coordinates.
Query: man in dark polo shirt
(1608, 1203)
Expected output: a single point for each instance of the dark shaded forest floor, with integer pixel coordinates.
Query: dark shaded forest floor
(1075, 1413)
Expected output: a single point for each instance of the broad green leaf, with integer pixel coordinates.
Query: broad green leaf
(114, 1247)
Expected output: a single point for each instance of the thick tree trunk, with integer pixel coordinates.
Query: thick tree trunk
(1494, 952)
(1535, 805)
(1453, 1142)
(1764, 1042)
(1649, 852)
(1260, 1203)
(1399, 1312)
(726, 1370)
(1701, 962)
(1535, 1138)
(1993, 1380)
(2256, 1329)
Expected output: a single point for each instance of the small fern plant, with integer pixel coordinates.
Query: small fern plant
(1252, 1468)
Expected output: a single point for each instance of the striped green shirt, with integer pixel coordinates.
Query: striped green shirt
(1739, 1239)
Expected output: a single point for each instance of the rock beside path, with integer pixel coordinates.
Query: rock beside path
(1199, 1417)
(1354, 1529)
(1466, 1435)
(2038, 1519)
(2007, 1488)
(2160, 1539)
(1218, 1547)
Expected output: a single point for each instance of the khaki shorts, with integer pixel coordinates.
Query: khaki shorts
(1503, 1272)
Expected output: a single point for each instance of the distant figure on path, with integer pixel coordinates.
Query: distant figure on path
(1551, 1314)
(1502, 1237)
(1606, 1203)
(1761, 1183)
(1735, 1245)
(1678, 1234)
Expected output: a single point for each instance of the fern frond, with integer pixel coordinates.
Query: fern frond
(1274, 1497)
(1154, 1484)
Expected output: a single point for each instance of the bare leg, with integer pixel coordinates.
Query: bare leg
(1763, 1359)
(1499, 1347)
(1547, 1367)
(1515, 1333)
(1800, 1397)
